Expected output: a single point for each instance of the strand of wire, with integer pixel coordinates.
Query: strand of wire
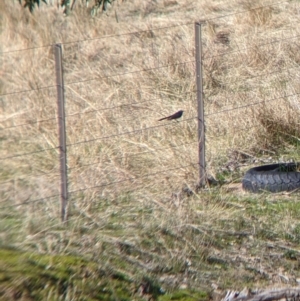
(153, 127)
(98, 186)
(121, 74)
(31, 153)
(173, 26)
(87, 112)
(126, 133)
(181, 63)
(31, 201)
(244, 11)
(133, 103)
(154, 99)
(278, 29)
(132, 179)
(247, 48)
(236, 130)
(266, 74)
(130, 72)
(244, 130)
(100, 77)
(32, 176)
(95, 163)
(29, 123)
(137, 154)
(158, 126)
(249, 105)
(87, 141)
(143, 31)
(147, 70)
(189, 119)
(256, 34)
(25, 91)
(123, 105)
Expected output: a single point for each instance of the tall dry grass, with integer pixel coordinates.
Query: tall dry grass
(128, 173)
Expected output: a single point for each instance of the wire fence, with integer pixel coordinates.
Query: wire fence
(112, 135)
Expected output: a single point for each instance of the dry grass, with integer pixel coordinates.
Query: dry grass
(139, 209)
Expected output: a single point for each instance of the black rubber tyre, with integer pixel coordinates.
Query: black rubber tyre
(273, 178)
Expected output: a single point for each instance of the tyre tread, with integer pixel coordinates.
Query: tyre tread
(273, 178)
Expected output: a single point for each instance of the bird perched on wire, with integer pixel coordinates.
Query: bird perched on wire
(174, 116)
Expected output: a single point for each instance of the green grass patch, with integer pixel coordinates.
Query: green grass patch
(33, 276)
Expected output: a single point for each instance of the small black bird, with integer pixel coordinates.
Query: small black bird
(174, 116)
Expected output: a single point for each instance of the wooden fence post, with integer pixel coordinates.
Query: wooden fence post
(199, 83)
(62, 132)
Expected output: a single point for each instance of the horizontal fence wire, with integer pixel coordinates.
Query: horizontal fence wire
(247, 48)
(29, 202)
(250, 105)
(56, 172)
(146, 30)
(123, 105)
(26, 91)
(136, 154)
(97, 78)
(265, 74)
(31, 153)
(149, 69)
(135, 103)
(127, 133)
(153, 127)
(243, 11)
(149, 100)
(182, 63)
(24, 49)
(236, 130)
(132, 178)
(245, 129)
(277, 30)
(177, 25)
(28, 123)
(21, 176)
(100, 77)
(126, 73)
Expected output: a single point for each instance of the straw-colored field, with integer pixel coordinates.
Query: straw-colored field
(134, 207)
